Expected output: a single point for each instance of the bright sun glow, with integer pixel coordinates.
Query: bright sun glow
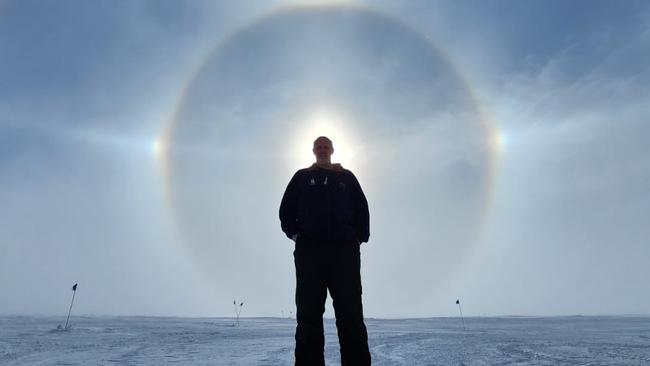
(324, 122)
(498, 140)
(157, 146)
(501, 140)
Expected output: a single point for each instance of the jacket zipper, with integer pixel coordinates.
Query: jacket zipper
(329, 209)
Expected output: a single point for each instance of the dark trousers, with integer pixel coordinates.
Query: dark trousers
(335, 266)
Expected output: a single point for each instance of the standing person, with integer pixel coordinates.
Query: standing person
(325, 212)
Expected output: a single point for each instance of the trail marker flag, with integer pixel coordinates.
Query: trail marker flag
(461, 313)
(74, 291)
(237, 311)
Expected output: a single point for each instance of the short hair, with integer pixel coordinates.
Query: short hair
(323, 138)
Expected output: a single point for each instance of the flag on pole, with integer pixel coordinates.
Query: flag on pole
(461, 313)
(74, 291)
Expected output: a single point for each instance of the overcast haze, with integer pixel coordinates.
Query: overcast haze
(502, 145)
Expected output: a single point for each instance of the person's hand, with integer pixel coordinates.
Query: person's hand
(294, 237)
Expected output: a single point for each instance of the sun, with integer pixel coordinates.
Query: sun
(157, 147)
(324, 122)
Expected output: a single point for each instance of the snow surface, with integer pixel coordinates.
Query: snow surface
(269, 341)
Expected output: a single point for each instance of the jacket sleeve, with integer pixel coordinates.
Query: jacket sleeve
(289, 208)
(361, 213)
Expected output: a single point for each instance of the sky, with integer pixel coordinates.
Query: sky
(145, 147)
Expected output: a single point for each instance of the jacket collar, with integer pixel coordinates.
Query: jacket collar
(335, 167)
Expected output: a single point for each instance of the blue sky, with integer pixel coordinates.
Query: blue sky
(551, 223)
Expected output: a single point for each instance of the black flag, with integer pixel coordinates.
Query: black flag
(461, 313)
(74, 292)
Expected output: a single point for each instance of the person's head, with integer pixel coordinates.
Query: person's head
(323, 150)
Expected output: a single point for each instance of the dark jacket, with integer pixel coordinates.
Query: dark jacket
(325, 204)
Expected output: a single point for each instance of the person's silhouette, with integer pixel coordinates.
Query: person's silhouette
(325, 212)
